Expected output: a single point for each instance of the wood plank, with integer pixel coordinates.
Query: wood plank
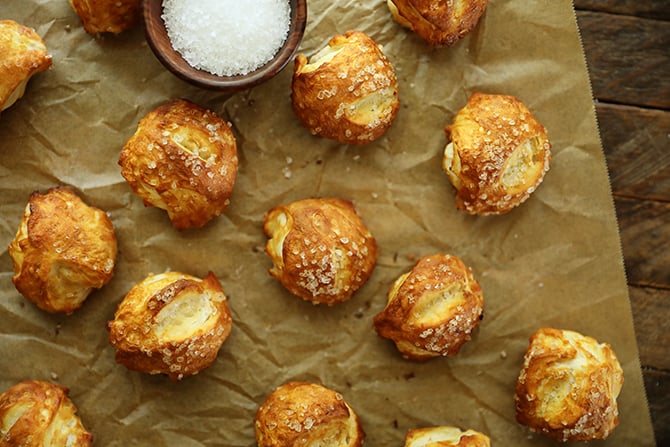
(636, 143)
(657, 384)
(645, 236)
(652, 328)
(651, 9)
(628, 58)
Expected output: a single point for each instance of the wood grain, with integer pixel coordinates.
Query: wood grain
(628, 58)
(644, 239)
(650, 309)
(657, 384)
(636, 142)
(652, 9)
(652, 328)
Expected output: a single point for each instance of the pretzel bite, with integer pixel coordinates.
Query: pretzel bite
(321, 249)
(24, 54)
(37, 413)
(299, 413)
(445, 437)
(439, 23)
(62, 250)
(497, 156)
(568, 386)
(347, 91)
(182, 159)
(433, 309)
(171, 323)
(107, 16)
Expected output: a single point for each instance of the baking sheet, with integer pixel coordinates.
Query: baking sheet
(554, 261)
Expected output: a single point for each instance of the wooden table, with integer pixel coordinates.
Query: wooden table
(627, 47)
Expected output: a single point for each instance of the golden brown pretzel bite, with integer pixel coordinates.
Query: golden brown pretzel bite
(107, 16)
(497, 156)
(347, 91)
(433, 309)
(321, 249)
(438, 22)
(36, 413)
(568, 386)
(171, 323)
(22, 55)
(445, 436)
(300, 413)
(182, 159)
(62, 250)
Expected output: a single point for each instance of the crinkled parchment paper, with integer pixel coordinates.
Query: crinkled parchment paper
(554, 261)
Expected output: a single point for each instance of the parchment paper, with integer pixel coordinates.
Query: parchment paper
(555, 261)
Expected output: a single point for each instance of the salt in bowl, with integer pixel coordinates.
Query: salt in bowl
(161, 45)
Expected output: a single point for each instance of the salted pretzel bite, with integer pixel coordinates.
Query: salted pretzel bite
(107, 16)
(36, 413)
(568, 386)
(347, 91)
(445, 436)
(439, 23)
(433, 309)
(23, 54)
(497, 155)
(301, 413)
(62, 250)
(182, 159)
(321, 249)
(171, 323)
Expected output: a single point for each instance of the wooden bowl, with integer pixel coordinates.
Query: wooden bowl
(160, 44)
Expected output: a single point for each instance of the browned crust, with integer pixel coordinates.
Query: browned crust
(327, 252)
(133, 332)
(23, 55)
(352, 98)
(568, 386)
(433, 310)
(445, 436)
(300, 413)
(42, 414)
(485, 134)
(62, 249)
(440, 23)
(107, 16)
(161, 166)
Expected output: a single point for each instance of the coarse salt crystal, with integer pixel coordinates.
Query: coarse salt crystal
(227, 37)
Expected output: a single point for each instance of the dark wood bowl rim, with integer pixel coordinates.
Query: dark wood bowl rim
(160, 44)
